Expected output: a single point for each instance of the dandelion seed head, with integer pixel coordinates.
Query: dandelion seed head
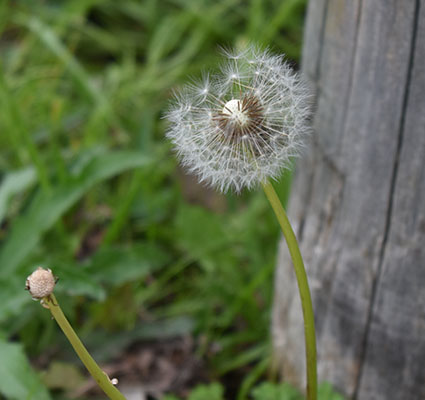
(242, 126)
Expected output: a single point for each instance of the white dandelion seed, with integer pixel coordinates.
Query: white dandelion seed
(241, 127)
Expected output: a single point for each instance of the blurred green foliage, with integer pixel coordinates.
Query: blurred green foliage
(90, 188)
(264, 391)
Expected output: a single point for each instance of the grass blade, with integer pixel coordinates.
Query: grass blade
(47, 207)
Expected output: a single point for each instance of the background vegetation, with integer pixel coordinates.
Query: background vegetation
(150, 263)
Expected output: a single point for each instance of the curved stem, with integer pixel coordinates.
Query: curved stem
(101, 378)
(304, 290)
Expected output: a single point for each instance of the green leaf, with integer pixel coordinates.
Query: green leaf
(52, 42)
(12, 296)
(243, 358)
(213, 391)
(117, 265)
(47, 207)
(252, 376)
(63, 376)
(75, 281)
(17, 379)
(281, 18)
(201, 234)
(271, 391)
(284, 391)
(326, 392)
(13, 183)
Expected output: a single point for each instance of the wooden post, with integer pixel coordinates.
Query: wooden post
(358, 202)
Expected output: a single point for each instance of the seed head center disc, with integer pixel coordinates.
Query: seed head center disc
(234, 110)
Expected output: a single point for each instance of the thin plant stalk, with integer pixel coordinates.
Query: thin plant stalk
(303, 287)
(100, 376)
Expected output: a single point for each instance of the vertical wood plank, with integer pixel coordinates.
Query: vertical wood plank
(395, 347)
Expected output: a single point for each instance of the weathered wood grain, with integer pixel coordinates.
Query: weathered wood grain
(357, 202)
(395, 345)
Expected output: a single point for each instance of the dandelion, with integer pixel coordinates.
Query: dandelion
(40, 285)
(240, 127)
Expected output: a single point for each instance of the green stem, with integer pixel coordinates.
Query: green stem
(101, 378)
(307, 306)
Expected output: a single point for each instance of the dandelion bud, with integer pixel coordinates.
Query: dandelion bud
(40, 283)
(241, 127)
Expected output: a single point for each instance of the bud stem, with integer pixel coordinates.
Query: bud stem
(304, 290)
(100, 376)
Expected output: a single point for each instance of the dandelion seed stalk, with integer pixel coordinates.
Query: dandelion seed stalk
(304, 290)
(100, 376)
(240, 128)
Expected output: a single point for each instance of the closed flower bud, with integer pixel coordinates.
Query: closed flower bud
(40, 283)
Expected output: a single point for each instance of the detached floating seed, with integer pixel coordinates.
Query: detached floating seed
(40, 283)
